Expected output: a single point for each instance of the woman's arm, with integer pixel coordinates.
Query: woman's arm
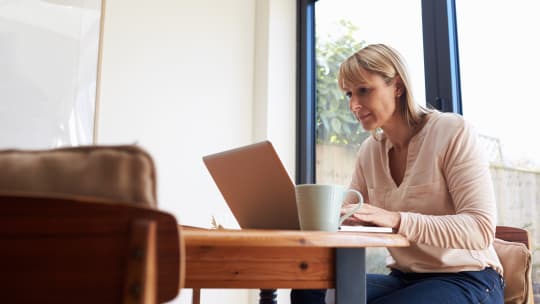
(467, 176)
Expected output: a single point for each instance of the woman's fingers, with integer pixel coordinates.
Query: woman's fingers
(352, 221)
(372, 215)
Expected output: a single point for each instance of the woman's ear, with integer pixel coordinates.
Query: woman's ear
(399, 86)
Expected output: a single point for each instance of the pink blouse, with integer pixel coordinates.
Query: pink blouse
(446, 199)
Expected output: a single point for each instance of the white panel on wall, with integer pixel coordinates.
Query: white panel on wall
(178, 79)
(48, 65)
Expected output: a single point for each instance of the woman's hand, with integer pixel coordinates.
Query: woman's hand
(371, 215)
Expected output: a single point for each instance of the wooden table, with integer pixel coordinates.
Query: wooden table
(271, 259)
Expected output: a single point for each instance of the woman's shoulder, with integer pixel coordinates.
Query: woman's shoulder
(367, 145)
(455, 139)
(371, 148)
(445, 127)
(446, 121)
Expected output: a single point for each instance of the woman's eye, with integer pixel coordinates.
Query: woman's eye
(348, 95)
(363, 91)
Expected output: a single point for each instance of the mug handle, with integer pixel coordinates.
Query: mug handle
(360, 202)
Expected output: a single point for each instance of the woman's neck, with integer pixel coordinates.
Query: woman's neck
(400, 133)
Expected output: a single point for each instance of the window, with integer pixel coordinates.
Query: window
(496, 68)
(499, 67)
(437, 31)
(343, 27)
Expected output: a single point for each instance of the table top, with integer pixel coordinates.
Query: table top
(289, 238)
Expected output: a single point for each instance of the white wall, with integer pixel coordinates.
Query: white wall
(192, 77)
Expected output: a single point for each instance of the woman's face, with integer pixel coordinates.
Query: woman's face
(373, 102)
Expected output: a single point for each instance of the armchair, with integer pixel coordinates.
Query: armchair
(513, 247)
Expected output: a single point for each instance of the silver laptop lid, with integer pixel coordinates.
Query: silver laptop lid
(256, 186)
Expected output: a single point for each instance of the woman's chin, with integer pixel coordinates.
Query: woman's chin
(367, 124)
(368, 127)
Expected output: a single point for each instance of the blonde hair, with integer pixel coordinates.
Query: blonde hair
(386, 62)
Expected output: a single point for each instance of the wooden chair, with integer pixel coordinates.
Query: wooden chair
(513, 234)
(87, 251)
(513, 246)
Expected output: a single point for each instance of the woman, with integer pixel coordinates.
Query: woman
(423, 173)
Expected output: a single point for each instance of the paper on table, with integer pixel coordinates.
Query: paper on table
(360, 228)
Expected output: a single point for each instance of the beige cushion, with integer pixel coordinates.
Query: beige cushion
(118, 173)
(516, 262)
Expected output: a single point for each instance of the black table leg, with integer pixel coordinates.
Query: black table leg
(350, 275)
(268, 296)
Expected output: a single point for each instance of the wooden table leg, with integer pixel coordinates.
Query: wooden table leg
(350, 275)
(196, 296)
(268, 296)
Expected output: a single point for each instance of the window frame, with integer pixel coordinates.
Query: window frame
(441, 56)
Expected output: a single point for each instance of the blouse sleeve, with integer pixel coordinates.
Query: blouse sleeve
(466, 172)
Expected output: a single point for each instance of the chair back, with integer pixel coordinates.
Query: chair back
(87, 251)
(120, 173)
(513, 248)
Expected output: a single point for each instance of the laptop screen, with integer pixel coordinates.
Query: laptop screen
(256, 186)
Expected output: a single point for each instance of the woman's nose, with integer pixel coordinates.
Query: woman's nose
(354, 104)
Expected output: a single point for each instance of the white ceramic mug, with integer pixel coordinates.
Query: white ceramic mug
(319, 206)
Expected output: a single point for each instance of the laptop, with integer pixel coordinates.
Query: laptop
(258, 189)
(256, 186)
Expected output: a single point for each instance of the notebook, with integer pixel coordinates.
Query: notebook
(256, 186)
(361, 228)
(258, 189)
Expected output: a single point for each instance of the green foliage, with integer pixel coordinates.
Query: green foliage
(335, 123)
